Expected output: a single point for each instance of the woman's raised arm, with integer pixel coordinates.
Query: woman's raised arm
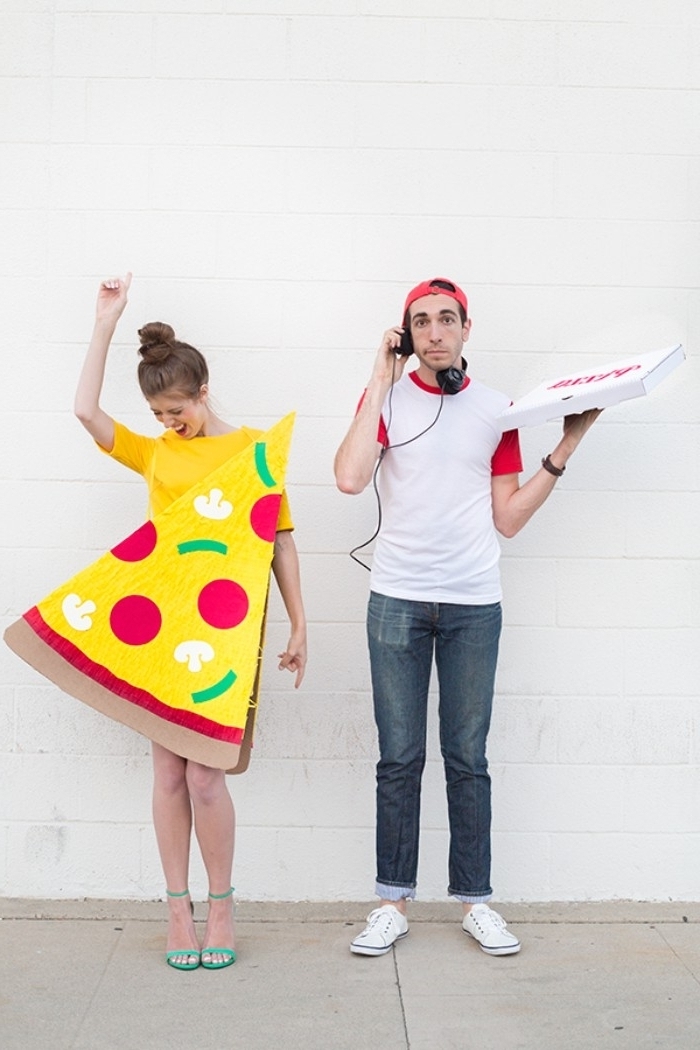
(111, 300)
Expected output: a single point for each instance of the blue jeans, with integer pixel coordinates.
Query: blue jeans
(403, 636)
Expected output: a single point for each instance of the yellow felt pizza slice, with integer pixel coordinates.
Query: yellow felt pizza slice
(164, 631)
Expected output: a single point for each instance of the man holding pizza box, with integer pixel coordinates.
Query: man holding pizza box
(448, 483)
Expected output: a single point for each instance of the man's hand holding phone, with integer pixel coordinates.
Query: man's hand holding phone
(391, 356)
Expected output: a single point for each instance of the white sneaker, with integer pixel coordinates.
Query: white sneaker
(384, 926)
(489, 929)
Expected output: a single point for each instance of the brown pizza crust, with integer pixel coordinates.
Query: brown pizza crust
(234, 758)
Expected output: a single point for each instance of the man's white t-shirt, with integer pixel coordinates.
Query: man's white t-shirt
(437, 541)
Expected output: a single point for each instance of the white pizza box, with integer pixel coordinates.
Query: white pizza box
(595, 387)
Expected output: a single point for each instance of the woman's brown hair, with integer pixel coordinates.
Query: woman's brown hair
(167, 364)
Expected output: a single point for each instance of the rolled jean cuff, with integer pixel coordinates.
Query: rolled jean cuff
(394, 893)
(472, 898)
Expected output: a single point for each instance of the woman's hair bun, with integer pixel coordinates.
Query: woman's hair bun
(157, 339)
(167, 364)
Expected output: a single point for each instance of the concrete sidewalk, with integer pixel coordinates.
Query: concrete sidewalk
(83, 975)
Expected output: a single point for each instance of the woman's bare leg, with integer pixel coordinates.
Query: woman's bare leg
(172, 818)
(214, 825)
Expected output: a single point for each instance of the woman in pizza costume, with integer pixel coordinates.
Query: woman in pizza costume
(174, 379)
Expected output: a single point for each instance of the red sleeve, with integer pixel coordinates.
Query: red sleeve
(507, 459)
(382, 436)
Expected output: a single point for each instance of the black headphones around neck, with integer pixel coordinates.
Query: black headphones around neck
(451, 380)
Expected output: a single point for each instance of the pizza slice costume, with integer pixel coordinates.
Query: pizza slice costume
(164, 632)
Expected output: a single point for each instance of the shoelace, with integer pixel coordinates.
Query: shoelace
(378, 919)
(490, 918)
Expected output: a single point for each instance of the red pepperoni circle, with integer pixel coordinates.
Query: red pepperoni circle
(139, 545)
(135, 620)
(223, 604)
(264, 515)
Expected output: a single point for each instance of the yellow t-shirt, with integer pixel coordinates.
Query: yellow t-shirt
(172, 465)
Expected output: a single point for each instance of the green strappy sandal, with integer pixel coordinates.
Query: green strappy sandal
(229, 955)
(187, 953)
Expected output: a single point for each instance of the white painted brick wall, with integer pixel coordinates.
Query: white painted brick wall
(277, 173)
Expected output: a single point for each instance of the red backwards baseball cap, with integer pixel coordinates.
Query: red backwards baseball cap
(436, 286)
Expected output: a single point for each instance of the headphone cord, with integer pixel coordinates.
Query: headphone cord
(383, 452)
